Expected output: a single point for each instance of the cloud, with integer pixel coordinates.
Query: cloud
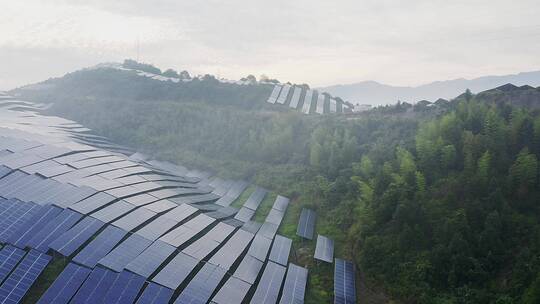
(318, 42)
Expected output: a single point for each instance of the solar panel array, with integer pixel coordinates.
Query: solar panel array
(344, 282)
(132, 229)
(306, 224)
(303, 100)
(324, 249)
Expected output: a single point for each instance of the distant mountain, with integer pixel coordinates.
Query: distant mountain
(374, 93)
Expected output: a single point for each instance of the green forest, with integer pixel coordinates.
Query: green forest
(434, 204)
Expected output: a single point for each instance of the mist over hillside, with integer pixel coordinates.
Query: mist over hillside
(374, 93)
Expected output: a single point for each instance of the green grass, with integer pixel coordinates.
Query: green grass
(47, 277)
(243, 197)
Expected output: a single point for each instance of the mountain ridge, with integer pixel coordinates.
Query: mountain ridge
(376, 93)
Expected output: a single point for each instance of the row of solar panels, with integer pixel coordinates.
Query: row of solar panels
(48, 228)
(120, 219)
(306, 100)
(344, 276)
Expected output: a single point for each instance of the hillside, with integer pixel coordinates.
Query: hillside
(374, 93)
(435, 202)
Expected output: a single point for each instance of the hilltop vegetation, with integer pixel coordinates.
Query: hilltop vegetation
(435, 204)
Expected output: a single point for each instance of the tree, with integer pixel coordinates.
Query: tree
(524, 171)
(171, 73)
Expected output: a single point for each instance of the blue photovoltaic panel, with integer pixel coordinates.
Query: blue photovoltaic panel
(306, 224)
(280, 250)
(249, 269)
(21, 237)
(125, 288)
(75, 237)
(295, 97)
(151, 258)
(134, 219)
(233, 292)
(155, 294)
(113, 211)
(9, 257)
(294, 288)
(259, 247)
(231, 251)
(174, 273)
(18, 283)
(202, 286)
(54, 229)
(344, 282)
(275, 217)
(125, 252)
(95, 287)
(18, 217)
(268, 289)
(100, 246)
(156, 228)
(66, 285)
(324, 249)
(93, 202)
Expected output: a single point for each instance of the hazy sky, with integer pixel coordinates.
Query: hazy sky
(318, 42)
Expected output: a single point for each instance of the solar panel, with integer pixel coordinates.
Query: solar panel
(18, 283)
(251, 226)
(124, 253)
(151, 258)
(268, 230)
(125, 288)
(275, 94)
(249, 269)
(268, 289)
(281, 203)
(155, 294)
(75, 237)
(92, 203)
(275, 217)
(181, 212)
(95, 287)
(283, 95)
(100, 246)
(156, 228)
(113, 211)
(232, 249)
(280, 250)
(307, 102)
(294, 287)
(208, 242)
(333, 106)
(320, 104)
(259, 247)
(344, 282)
(65, 220)
(324, 250)
(244, 214)
(18, 215)
(44, 215)
(232, 292)
(295, 97)
(9, 257)
(174, 273)
(160, 206)
(184, 233)
(65, 285)
(255, 198)
(202, 286)
(134, 219)
(306, 224)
